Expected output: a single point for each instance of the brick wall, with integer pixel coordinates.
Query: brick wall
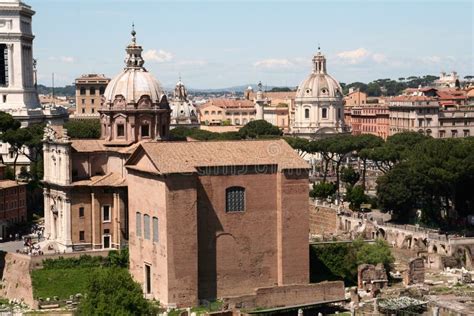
(322, 220)
(289, 295)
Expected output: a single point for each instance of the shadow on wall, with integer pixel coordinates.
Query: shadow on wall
(208, 228)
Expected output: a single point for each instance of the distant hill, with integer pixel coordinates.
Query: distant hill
(68, 91)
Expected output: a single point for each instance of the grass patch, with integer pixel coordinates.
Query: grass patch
(60, 282)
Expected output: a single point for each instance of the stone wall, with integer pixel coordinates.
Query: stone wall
(322, 220)
(16, 279)
(289, 295)
(415, 273)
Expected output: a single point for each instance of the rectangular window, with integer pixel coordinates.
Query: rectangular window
(81, 212)
(146, 226)
(93, 110)
(120, 130)
(81, 236)
(155, 229)
(83, 110)
(106, 241)
(145, 130)
(3, 65)
(147, 279)
(92, 101)
(325, 113)
(92, 91)
(106, 213)
(138, 224)
(235, 199)
(83, 101)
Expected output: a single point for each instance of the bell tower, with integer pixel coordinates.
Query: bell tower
(17, 70)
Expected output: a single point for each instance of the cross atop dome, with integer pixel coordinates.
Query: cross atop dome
(134, 57)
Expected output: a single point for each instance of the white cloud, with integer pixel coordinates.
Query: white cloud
(273, 63)
(354, 56)
(159, 56)
(431, 59)
(64, 59)
(379, 58)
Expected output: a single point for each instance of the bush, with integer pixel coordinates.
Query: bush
(339, 261)
(114, 259)
(113, 292)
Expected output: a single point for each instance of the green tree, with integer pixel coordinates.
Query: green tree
(356, 197)
(299, 144)
(349, 176)
(259, 129)
(7, 122)
(113, 292)
(363, 144)
(378, 252)
(83, 129)
(322, 190)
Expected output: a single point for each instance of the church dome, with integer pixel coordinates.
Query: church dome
(319, 84)
(134, 82)
(183, 110)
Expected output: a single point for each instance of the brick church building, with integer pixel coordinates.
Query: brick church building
(202, 220)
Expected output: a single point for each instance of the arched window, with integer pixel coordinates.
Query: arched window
(146, 226)
(155, 229)
(235, 199)
(325, 113)
(138, 226)
(306, 113)
(237, 122)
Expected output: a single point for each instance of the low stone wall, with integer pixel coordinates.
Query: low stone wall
(289, 295)
(322, 220)
(16, 279)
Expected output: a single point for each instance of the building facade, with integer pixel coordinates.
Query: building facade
(355, 98)
(368, 119)
(227, 112)
(89, 91)
(319, 106)
(415, 114)
(12, 203)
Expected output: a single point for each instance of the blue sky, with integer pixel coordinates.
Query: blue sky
(215, 44)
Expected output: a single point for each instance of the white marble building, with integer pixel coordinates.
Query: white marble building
(18, 94)
(319, 108)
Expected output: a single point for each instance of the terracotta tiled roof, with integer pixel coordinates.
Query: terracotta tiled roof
(451, 94)
(109, 180)
(411, 98)
(229, 103)
(181, 157)
(99, 145)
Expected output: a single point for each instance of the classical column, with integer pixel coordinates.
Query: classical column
(67, 221)
(93, 220)
(11, 76)
(47, 214)
(114, 219)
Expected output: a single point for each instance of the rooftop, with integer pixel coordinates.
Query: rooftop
(180, 157)
(229, 103)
